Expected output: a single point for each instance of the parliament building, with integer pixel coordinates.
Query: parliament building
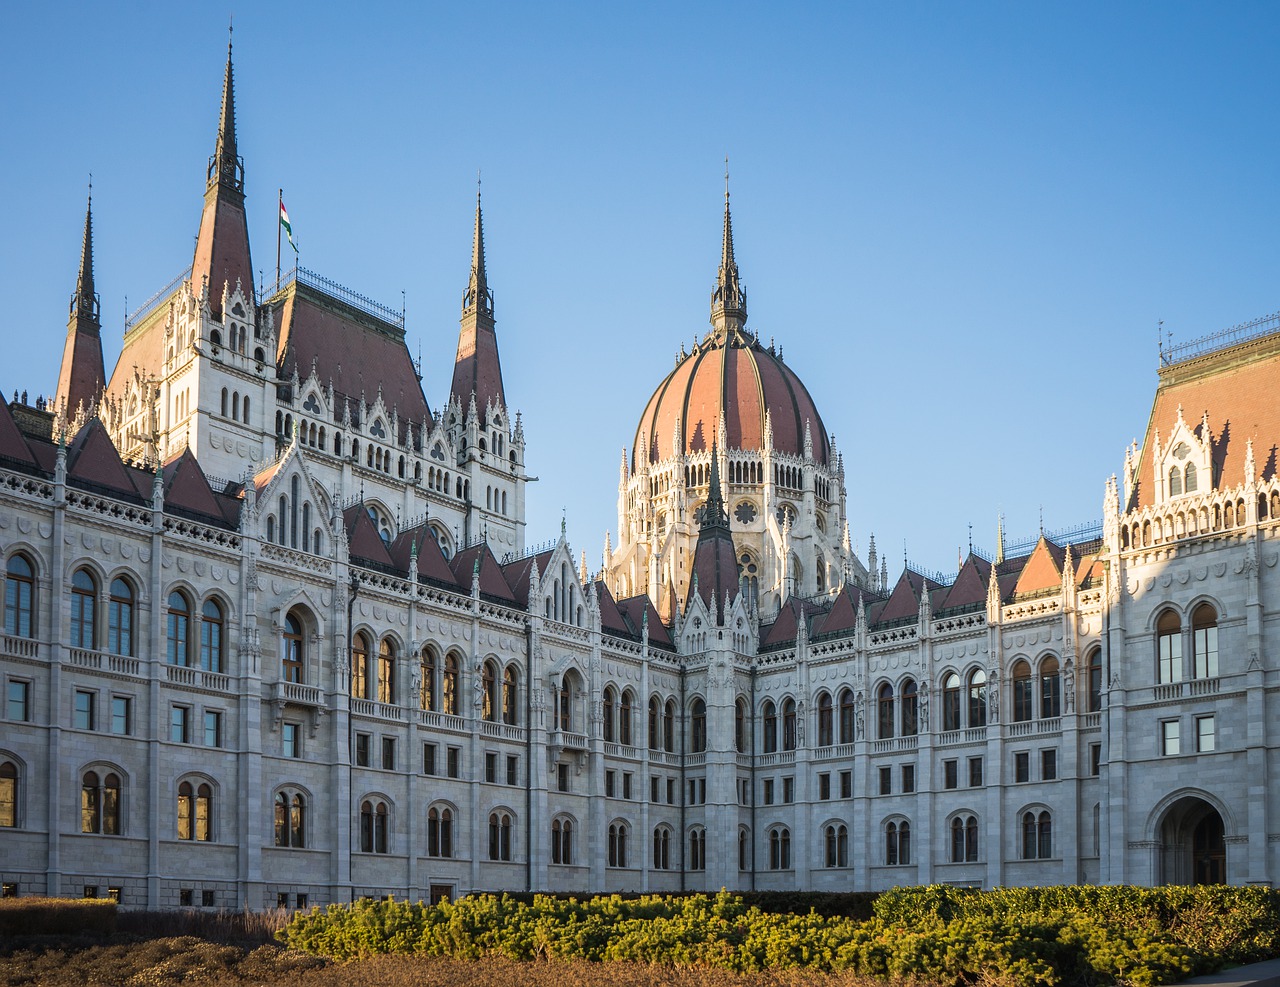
(274, 635)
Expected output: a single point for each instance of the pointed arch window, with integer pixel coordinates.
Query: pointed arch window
(779, 848)
(373, 826)
(609, 713)
(449, 685)
(293, 656)
(964, 839)
(84, 605)
(769, 726)
(1095, 680)
(978, 698)
(669, 726)
(1204, 642)
(178, 630)
(564, 703)
(951, 702)
(360, 666)
(826, 720)
(489, 691)
(1022, 691)
(1050, 689)
(120, 618)
(884, 711)
(1169, 647)
(510, 690)
(617, 845)
(427, 689)
(212, 624)
(1175, 482)
(698, 723)
(1190, 481)
(624, 717)
(661, 848)
(836, 838)
(290, 819)
(562, 841)
(740, 726)
(19, 597)
(440, 831)
(1037, 836)
(655, 724)
(789, 733)
(500, 836)
(910, 709)
(897, 843)
(846, 716)
(698, 849)
(386, 672)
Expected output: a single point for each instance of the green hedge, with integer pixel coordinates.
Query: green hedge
(858, 905)
(1053, 936)
(56, 916)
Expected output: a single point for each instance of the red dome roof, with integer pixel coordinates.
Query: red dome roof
(730, 372)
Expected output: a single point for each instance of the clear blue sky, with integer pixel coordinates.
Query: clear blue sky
(961, 221)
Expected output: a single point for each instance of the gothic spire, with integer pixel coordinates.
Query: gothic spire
(715, 563)
(728, 301)
(714, 514)
(477, 370)
(81, 376)
(226, 167)
(478, 294)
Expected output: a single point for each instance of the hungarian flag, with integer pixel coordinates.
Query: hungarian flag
(288, 228)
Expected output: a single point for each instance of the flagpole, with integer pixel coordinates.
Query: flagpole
(279, 206)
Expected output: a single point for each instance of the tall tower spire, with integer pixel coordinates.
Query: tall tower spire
(222, 245)
(728, 301)
(477, 371)
(81, 377)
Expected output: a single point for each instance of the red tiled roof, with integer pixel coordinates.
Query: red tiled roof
(222, 248)
(492, 581)
(12, 443)
(517, 575)
(363, 539)
(476, 368)
(92, 458)
(187, 488)
(81, 376)
(970, 585)
(1043, 568)
(904, 601)
(634, 608)
(715, 568)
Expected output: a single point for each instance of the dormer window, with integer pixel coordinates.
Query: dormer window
(1175, 482)
(1189, 478)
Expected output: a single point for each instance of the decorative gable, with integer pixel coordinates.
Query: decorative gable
(1184, 464)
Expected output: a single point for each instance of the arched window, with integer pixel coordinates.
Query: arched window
(748, 571)
(1037, 836)
(427, 690)
(897, 843)
(373, 826)
(1175, 482)
(120, 618)
(1095, 680)
(964, 839)
(386, 672)
(740, 726)
(84, 605)
(624, 717)
(449, 685)
(564, 702)
(779, 848)
(910, 709)
(698, 849)
(609, 713)
(978, 698)
(1189, 479)
(293, 656)
(510, 683)
(826, 720)
(655, 723)
(836, 839)
(100, 804)
(698, 725)
(8, 794)
(360, 666)
(669, 726)
(499, 836)
(662, 848)
(195, 811)
(617, 845)
(1022, 706)
(1204, 638)
(562, 841)
(769, 726)
(846, 716)
(788, 724)
(744, 850)
(178, 630)
(1050, 689)
(290, 819)
(489, 691)
(884, 711)
(1169, 647)
(19, 597)
(439, 831)
(951, 702)
(211, 626)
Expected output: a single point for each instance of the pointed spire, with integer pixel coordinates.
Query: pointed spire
(714, 514)
(82, 376)
(225, 167)
(478, 293)
(477, 369)
(728, 301)
(999, 539)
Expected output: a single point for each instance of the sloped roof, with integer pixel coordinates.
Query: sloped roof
(492, 581)
(843, 615)
(431, 561)
(13, 445)
(187, 489)
(970, 585)
(612, 620)
(904, 601)
(1043, 568)
(92, 460)
(363, 540)
(634, 609)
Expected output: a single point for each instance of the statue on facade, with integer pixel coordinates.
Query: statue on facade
(1069, 685)
(859, 714)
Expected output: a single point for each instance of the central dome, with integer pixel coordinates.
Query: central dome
(729, 373)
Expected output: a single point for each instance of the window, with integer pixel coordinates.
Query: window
(84, 603)
(975, 772)
(362, 750)
(654, 789)
(195, 811)
(788, 724)
(211, 636)
(1170, 738)
(978, 699)
(1049, 764)
(1169, 648)
(440, 831)
(290, 819)
(178, 630)
(490, 767)
(1204, 638)
(562, 777)
(698, 725)
(617, 845)
(499, 836)
(964, 839)
(744, 850)
(626, 785)
(609, 706)
(624, 717)
(837, 845)
(1189, 484)
(669, 726)
(769, 721)
(897, 843)
(8, 794)
(388, 753)
(386, 672)
(910, 709)
(847, 719)
(373, 826)
(1022, 766)
(609, 783)
(886, 781)
(489, 692)
(1206, 739)
(1037, 836)
(19, 597)
(655, 717)
(180, 724)
(1095, 680)
(212, 728)
(291, 740)
(122, 715)
(449, 686)
(884, 711)
(84, 709)
(18, 701)
(510, 688)
(1021, 691)
(779, 848)
(207, 897)
(360, 666)
(1050, 689)
(951, 702)
(1095, 759)
(513, 771)
(428, 759)
(824, 786)
(826, 720)
(100, 803)
(564, 703)
(662, 848)
(908, 778)
(768, 792)
(788, 790)
(292, 654)
(561, 841)
(698, 849)
(950, 774)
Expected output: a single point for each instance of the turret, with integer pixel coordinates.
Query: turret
(81, 377)
(477, 371)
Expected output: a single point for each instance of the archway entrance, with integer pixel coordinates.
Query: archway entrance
(1193, 844)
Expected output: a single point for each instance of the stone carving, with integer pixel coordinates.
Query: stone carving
(993, 696)
(924, 707)
(860, 715)
(1069, 685)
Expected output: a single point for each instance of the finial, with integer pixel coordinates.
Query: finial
(726, 178)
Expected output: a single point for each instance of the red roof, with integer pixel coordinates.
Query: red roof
(970, 586)
(517, 575)
(363, 540)
(222, 248)
(635, 608)
(904, 601)
(93, 459)
(492, 581)
(1043, 568)
(187, 488)
(12, 443)
(431, 561)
